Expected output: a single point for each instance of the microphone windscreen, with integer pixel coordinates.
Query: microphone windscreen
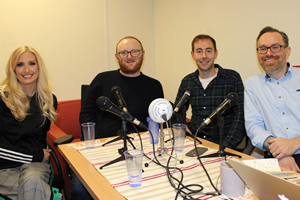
(233, 98)
(115, 89)
(103, 103)
(160, 110)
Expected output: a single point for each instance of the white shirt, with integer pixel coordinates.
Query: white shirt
(206, 81)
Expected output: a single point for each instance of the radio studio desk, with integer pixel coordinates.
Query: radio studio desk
(86, 168)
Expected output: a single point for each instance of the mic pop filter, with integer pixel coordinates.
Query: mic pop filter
(160, 110)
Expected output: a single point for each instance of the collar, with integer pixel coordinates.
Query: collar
(132, 77)
(220, 72)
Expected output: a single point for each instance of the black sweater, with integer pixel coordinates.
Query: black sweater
(138, 93)
(22, 141)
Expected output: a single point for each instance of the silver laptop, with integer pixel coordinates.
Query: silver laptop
(264, 185)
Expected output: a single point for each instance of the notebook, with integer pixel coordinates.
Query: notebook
(265, 185)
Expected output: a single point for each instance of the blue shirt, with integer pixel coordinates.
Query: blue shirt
(272, 107)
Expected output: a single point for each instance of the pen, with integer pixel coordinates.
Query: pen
(287, 178)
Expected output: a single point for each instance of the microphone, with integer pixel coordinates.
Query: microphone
(230, 100)
(116, 91)
(183, 100)
(106, 105)
(160, 110)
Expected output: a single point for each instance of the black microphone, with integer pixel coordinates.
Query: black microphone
(230, 100)
(106, 105)
(116, 91)
(183, 100)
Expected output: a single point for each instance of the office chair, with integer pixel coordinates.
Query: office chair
(56, 180)
(84, 89)
(249, 148)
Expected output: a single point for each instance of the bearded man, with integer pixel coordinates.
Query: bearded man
(138, 91)
(272, 99)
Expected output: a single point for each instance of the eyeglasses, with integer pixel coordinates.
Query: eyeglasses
(133, 53)
(274, 49)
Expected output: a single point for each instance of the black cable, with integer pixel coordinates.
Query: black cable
(184, 191)
(198, 157)
(181, 187)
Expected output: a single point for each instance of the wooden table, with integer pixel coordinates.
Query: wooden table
(94, 182)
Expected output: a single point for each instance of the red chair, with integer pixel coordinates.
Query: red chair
(66, 124)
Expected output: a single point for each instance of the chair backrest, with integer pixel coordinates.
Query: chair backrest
(68, 119)
(84, 89)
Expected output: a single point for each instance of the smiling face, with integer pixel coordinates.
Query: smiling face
(27, 70)
(204, 55)
(274, 64)
(130, 66)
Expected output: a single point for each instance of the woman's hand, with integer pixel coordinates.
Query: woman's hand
(46, 155)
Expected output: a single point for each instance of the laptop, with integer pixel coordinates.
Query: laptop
(264, 185)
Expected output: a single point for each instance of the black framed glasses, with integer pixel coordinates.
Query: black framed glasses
(133, 53)
(274, 49)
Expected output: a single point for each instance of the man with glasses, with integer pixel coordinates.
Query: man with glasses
(138, 91)
(272, 108)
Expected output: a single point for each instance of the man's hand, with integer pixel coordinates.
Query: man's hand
(188, 130)
(46, 155)
(281, 147)
(289, 163)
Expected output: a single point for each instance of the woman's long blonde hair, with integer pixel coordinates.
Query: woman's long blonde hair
(13, 95)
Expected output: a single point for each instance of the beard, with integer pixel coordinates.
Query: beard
(128, 68)
(270, 69)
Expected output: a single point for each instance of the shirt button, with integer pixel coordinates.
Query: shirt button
(287, 128)
(204, 108)
(283, 113)
(204, 136)
(277, 83)
(279, 97)
(204, 95)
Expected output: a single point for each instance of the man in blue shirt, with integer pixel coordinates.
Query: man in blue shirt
(272, 108)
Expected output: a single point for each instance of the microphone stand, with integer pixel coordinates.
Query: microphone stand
(121, 150)
(162, 149)
(121, 138)
(221, 152)
(122, 135)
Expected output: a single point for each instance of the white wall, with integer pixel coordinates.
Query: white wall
(77, 38)
(234, 24)
(63, 32)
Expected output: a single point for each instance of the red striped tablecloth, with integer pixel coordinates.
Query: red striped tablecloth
(155, 184)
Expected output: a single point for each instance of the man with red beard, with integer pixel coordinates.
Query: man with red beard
(272, 99)
(138, 91)
(210, 84)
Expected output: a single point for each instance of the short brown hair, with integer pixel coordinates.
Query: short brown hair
(203, 37)
(269, 29)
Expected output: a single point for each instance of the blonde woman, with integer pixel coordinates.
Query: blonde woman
(27, 108)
